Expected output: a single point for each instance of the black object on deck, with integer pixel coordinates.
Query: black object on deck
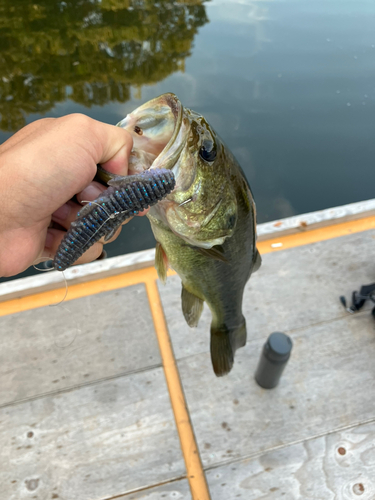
(275, 354)
(367, 292)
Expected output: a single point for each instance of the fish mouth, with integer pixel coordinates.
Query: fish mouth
(159, 131)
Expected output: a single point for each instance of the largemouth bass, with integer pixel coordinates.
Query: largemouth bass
(205, 228)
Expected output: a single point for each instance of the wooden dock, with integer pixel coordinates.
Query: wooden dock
(110, 395)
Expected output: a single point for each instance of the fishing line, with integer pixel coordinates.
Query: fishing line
(62, 307)
(63, 345)
(110, 217)
(51, 266)
(66, 360)
(44, 270)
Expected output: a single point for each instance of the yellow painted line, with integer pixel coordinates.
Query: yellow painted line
(194, 469)
(315, 235)
(54, 297)
(142, 275)
(195, 473)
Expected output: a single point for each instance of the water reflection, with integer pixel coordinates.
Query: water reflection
(288, 84)
(90, 51)
(246, 15)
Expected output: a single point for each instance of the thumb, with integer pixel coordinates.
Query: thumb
(116, 151)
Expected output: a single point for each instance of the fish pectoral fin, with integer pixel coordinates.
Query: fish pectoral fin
(215, 252)
(161, 263)
(192, 307)
(224, 342)
(257, 262)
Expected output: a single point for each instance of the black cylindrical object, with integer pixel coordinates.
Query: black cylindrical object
(275, 354)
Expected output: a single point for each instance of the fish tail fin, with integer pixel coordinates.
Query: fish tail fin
(224, 342)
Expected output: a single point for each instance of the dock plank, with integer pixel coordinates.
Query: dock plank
(293, 289)
(336, 466)
(83, 340)
(327, 385)
(91, 443)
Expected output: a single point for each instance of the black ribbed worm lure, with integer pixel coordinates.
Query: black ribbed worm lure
(125, 197)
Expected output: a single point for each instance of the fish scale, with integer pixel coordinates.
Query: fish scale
(124, 198)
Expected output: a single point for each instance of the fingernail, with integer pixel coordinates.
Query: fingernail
(90, 193)
(62, 212)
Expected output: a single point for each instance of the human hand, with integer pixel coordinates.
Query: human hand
(41, 168)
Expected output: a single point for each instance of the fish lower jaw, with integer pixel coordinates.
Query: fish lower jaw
(169, 164)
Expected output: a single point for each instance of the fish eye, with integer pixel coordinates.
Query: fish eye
(208, 151)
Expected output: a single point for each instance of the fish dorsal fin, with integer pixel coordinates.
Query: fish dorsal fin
(161, 263)
(192, 307)
(215, 252)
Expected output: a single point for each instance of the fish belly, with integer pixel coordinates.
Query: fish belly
(219, 284)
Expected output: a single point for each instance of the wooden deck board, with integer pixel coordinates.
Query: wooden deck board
(338, 466)
(80, 341)
(328, 384)
(176, 490)
(91, 443)
(293, 289)
(86, 414)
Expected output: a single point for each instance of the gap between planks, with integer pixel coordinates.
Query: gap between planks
(251, 456)
(195, 472)
(64, 390)
(146, 488)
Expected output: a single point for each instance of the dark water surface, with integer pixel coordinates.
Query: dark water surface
(289, 85)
